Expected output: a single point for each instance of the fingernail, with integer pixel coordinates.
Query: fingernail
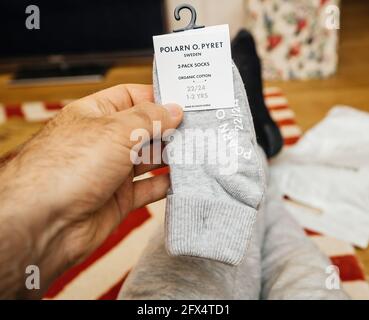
(174, 109)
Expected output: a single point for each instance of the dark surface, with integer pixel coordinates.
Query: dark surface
(79, 26)
(63, 73)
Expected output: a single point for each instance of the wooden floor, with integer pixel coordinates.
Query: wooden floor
(309, 99)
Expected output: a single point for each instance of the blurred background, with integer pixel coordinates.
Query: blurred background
(110, 42)
(314, 55)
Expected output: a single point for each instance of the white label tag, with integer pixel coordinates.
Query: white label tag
(195, 68)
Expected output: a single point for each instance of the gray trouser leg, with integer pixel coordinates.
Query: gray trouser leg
(292, 266)
(160, 276)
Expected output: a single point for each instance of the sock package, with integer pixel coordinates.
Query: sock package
(209, 214)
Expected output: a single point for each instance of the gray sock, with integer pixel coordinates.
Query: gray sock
(210, 214)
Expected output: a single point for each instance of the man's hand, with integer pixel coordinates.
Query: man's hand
(72, 184)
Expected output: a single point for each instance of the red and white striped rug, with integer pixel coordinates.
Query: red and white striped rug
(101, 275)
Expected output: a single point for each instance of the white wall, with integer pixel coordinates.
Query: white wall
(209, 12)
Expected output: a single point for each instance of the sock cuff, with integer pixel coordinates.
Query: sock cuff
(208, 228)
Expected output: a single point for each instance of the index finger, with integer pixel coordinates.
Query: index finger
(124, 96)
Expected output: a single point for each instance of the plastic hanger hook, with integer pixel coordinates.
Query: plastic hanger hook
(192, 23)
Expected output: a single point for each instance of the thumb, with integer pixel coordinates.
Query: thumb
(142, 117)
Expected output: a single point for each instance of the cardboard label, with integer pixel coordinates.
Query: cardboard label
(195, 68)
